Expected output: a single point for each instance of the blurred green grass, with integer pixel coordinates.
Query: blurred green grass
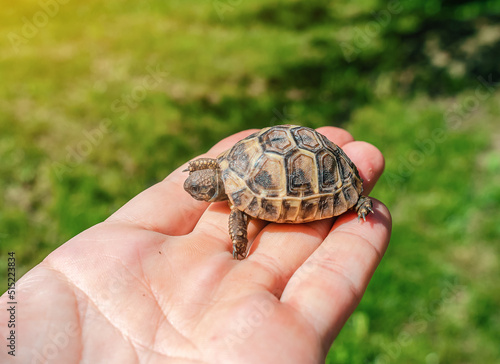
(107, 98)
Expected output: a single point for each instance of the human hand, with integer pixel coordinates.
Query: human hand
(156, 282)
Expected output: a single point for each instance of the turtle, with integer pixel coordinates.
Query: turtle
(281, 174)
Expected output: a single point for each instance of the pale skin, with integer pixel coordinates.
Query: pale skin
(157, 283)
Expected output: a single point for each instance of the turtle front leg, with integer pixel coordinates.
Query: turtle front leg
(363, 207)
(202, 163)
(238, 223)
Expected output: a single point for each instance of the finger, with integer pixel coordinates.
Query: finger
(329, 285)
(211, 234)
(337, 135)
(280, 249)
(166, 207)
(368, 160)
(277, 252)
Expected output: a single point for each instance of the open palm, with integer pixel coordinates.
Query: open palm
(156, 282)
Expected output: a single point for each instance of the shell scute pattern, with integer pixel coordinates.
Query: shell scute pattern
(240, 158)
(289, 174)
(307, 139)
(327, 173)
(325, 206)
(276, 140)
(309, 207)
(302, 173)
(267, 176)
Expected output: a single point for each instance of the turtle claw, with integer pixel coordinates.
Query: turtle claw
(364, 207)
(239, 250)
(238, 255)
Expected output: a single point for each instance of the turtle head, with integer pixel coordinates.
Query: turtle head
(205, 184)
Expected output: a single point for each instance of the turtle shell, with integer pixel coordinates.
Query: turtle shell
(289, 173)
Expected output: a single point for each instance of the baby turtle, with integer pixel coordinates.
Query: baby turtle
(283, 174)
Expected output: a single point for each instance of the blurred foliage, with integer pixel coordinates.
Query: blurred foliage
(98, 101)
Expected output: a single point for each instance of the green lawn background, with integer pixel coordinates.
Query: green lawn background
(98, 101)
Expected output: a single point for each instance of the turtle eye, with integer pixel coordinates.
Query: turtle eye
(196, 188)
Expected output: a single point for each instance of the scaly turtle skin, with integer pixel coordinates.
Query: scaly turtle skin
(283, 174)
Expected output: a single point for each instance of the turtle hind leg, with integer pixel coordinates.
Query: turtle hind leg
(363, 207)
(238, 223)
